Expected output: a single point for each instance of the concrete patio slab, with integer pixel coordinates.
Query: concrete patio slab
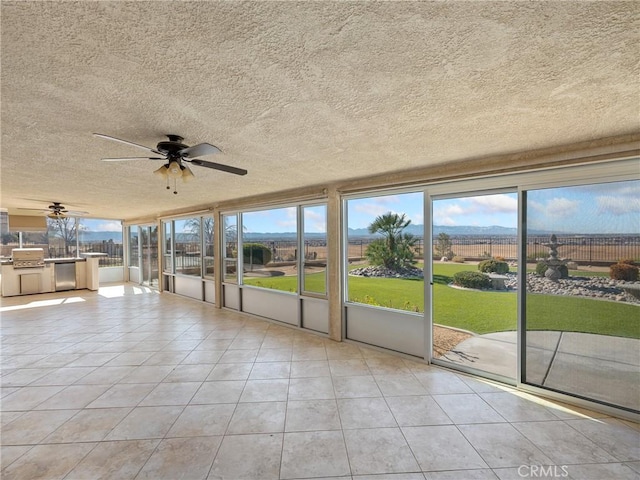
(614, 349)
(600, 367)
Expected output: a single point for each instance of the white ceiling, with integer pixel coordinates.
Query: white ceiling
(297, 93)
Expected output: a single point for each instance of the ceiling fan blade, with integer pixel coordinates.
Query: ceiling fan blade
(126, 142)
(125, 159)
(75, 213)
(218, 166)
(199, 150)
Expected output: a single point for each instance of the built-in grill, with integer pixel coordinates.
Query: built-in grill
(28, 257)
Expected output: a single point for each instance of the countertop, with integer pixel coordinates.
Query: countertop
(50, 260)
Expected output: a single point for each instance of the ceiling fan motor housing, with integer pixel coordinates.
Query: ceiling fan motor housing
(172, 146)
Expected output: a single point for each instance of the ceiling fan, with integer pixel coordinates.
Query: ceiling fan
(57, 211)
(175, 154)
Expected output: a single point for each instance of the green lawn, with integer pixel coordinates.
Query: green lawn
(482, 312)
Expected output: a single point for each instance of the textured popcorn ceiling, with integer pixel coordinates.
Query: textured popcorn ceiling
(298, 93)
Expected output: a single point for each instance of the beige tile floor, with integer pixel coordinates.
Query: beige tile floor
(127, 383)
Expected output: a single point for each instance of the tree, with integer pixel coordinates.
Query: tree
(193, 226)
(395, 250)
(9, 237)
(64, 228)
(443, 246)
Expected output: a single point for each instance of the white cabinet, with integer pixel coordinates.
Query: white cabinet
(81, 275)
(91, 270)
(24, 281)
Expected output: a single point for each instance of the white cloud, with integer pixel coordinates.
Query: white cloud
(448, 221)
(287, 223)
(386, 200)
(114, 226)
(314, 221)
(417, 218)
(372, 209)
(448, 210)
(610, 205)
(561, 207)
(290, 219)
(500, 203)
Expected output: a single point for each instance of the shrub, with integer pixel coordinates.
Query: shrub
(458, 259)
(443, 246)
(493, 266)
(256, 253)
(623, 271)
(472, 280)
(627, 261)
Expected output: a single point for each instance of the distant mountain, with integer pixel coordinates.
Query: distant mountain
(256, 236)
(416, 230)
(473, 230)
(90, 237)
(449, 230)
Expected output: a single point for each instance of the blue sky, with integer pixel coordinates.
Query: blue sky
(484, 210)
(101, 225)
(284, 220)
(361, 212)
(601, 208)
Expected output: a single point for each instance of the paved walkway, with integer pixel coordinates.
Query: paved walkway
(595, 366)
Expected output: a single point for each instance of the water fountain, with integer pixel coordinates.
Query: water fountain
(553, 262)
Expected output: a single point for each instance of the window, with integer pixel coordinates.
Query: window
(167, 246)
(207, 236)
(230, 247)
(270, 249)
(314, 243)
(188, 246)
(134, 248)
(385, 251)
(102, 236)
(62, 237)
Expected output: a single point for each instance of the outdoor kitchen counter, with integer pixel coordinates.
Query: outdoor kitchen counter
(24, 281)
(64, 260)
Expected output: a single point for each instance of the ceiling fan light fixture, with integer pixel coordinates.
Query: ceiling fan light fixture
(187, 174)
(161, 172)
(174, 170)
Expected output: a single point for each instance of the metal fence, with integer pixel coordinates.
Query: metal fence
(584, 249)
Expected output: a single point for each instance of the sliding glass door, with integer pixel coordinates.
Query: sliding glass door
(582, 306)
(474, 269)
(149, 255)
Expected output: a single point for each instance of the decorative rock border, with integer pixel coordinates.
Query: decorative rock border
(592, 287)
(408, 272)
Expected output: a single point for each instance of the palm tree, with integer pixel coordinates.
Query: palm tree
(394, 251)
